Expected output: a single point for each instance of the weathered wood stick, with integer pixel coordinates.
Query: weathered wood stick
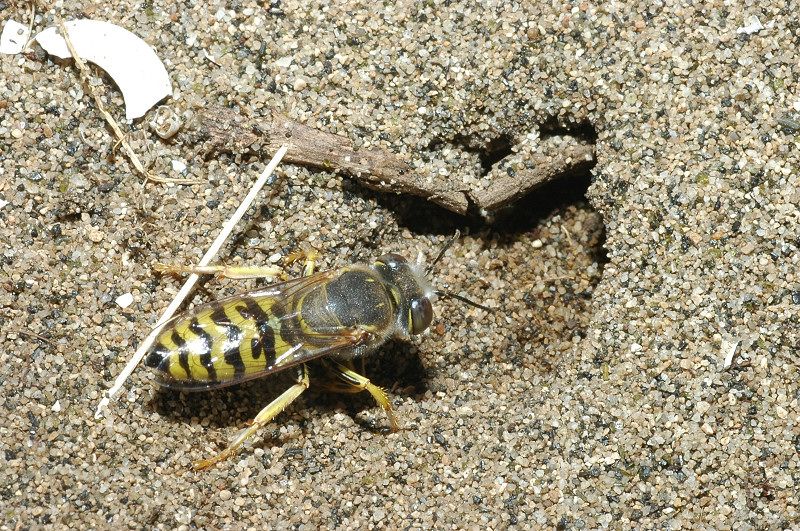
(375, 168)
(224, 129)
(543, 168)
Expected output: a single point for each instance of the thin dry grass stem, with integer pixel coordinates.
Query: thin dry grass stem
(112, 123)
(187, 287)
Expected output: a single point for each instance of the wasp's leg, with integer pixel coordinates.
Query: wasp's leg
(235, 272)
(307, 253)
(350, 365)
(352, 382)
(264, 417)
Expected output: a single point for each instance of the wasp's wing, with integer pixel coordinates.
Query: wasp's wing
(247, 336)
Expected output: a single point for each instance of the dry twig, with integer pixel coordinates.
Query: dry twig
(32, 335)
(227, 130)
(545, 166)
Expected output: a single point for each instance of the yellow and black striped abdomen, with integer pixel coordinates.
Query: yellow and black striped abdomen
(219, 343)
(346, 312)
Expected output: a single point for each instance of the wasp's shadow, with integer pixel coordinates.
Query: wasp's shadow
(395, 367)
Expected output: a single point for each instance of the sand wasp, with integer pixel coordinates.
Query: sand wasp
(332, 316)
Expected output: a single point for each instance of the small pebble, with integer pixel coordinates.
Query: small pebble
(299, 84)
(96, 236)
(124, 300)
(178, 166)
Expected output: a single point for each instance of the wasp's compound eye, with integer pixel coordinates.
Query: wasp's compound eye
(421, 315)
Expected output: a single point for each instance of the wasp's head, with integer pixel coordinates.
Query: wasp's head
(413, 295)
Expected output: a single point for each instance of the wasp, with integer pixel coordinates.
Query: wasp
(332, 316)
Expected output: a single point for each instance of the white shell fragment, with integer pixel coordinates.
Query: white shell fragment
(752, 25)
(14, 37)
(178, 166)
(165, 122)
(729, 349)
(131, 62)
(124, 300)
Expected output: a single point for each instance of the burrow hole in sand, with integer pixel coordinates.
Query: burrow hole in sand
(545, 251)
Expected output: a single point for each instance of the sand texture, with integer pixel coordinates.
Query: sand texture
(639, 370)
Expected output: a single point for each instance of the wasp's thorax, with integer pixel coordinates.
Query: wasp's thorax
(412, 294)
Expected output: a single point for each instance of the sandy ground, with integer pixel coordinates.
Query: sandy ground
(597, 395)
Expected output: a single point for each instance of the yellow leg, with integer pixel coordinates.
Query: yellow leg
(264, 417)
(244, 272)
(352, 382)
(235, 272)
(307, 253)
(350, 365)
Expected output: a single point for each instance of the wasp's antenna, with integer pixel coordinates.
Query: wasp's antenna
(444, 249)
(463, 299)
(444, 294)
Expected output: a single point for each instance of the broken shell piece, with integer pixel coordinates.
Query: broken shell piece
(124, 300)
(131, 62)
(165, 123)
(752, 25)
(14, 37)
(178, 166)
